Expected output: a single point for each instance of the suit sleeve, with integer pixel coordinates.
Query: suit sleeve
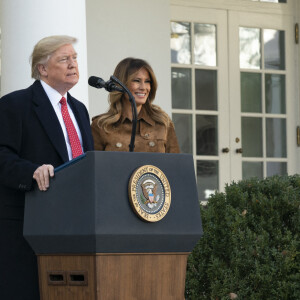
(15, 172)
(88, 133)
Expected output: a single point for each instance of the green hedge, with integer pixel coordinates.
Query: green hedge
(250, 246)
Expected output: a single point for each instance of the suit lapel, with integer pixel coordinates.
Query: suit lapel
(49, 121)
(79, 118)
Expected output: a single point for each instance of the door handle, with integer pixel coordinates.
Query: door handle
(239, 150)
(225, 150)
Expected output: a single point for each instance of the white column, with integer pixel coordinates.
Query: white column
(24, 23)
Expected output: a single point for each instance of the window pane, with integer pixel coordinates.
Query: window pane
(250, 55)
(252, 169)
(251, 92)
(181, 88)
(205, 44)
(252, 137)
(276, 137)
(184, 128)
(207, 135)
(275, 93)
(276, 168)
(206, 89)
(207, 178)
(274, 49)
(181, 42)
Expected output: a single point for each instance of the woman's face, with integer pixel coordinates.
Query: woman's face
(140, 87)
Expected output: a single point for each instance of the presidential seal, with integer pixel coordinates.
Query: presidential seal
(149, 193)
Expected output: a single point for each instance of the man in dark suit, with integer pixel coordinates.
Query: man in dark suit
(34, 139)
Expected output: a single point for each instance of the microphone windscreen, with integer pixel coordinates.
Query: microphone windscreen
(93, 81)
(96, 82)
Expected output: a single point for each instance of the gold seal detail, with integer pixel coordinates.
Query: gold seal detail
(149, 193)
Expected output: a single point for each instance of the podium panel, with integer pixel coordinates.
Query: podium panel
(142, 276)
(90, 242)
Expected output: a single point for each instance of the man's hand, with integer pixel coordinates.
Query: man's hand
(42, 174)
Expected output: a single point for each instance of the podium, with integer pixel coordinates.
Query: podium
(92, 244)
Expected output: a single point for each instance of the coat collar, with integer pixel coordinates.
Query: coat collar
(143, 115)
(48, 119)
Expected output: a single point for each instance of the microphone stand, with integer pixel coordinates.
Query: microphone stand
(134, 111)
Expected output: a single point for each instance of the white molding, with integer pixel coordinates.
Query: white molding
(241, 5)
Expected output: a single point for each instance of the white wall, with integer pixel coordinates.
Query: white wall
(24, 23)
(117, 29)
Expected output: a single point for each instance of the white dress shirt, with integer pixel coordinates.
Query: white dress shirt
(54, 97)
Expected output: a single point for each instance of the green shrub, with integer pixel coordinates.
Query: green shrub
(250, 246)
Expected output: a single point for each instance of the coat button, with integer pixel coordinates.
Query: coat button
(118, 145)
(151, 144)
(146, 135)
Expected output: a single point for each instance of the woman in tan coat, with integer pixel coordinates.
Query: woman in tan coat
(155, 130)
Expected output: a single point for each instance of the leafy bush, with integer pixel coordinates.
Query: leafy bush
(250, 247)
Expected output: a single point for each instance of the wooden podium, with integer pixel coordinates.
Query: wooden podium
(90, 243)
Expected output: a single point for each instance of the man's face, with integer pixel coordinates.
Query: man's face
(61, 70)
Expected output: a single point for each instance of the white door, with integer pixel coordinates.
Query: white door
(233, 99)
(264, 106)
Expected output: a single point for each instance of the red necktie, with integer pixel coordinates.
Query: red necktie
(72, 133)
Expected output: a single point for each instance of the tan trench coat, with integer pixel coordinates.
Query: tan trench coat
(150, 136)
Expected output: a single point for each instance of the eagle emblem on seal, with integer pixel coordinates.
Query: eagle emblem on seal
(149, 188)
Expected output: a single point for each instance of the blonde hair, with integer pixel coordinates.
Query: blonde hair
(43, 50)
(125, 72)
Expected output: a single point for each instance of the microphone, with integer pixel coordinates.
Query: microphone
(99, 83)
(110, 86)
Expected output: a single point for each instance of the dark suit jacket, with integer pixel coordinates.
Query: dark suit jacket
(30, 135)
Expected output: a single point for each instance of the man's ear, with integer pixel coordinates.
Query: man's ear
(43, 70)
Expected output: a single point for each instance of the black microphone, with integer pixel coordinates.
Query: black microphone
(99, 83)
